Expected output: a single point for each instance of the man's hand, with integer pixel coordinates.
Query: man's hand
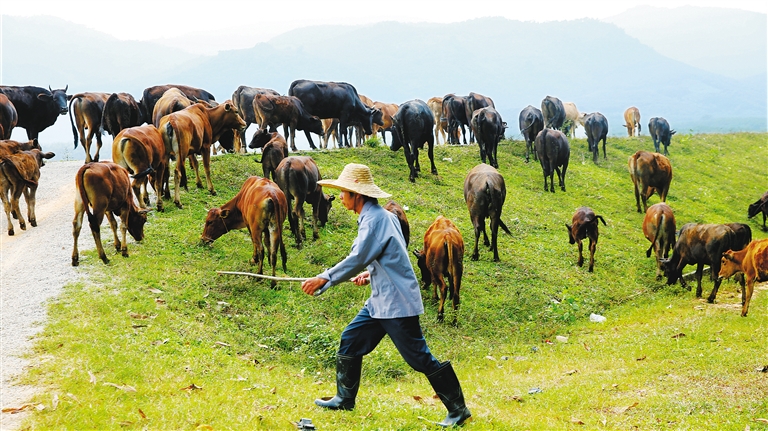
(362, 279)
(311, 285)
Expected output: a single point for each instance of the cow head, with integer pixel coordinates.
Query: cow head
(755, 208)
(374, 117)
(571, 238)
(60, 97)
(325, 206)
(670, 269)
(215, 225)
(314, 125)
(40, 156)
(426, 275)
(729, 265)
(231, 118)
(136, 220)
(260, 138)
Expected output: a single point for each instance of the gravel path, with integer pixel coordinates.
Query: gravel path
(34, 266)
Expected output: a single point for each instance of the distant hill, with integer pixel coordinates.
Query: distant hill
(729, 42)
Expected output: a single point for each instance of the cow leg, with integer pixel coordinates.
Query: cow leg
(415, 155)
(494, 222)
(77, 224)
(560, 179)
(580, 262)
(258, 250)
(94, 222)
(98, 142)
(137, 191)
(746, 298)
(113, 225)
(476, 253)
(409, 160)
(309, 139)
(592, 247)
(17, 192)
(158, 178)
(699, 273)
(7, 207)
(439, 283)
(431, 154)
(207, 169)
(196, 167)
(178, 174)
(29, 196)
(300, 217)
(604, 155)
(482, 150)
(287, 128)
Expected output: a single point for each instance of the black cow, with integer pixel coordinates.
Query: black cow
(472, 103)
(489, 130)
(8, 117)
(455, 110)
(554, 152)
(554, 112)
(412, 126)
(660, 133)
(335, 100)
(761, 205)
(37, 108)
(531, 123)
(121, 111)
(484, 193)
(699, 244)
(242, 98)
(596, 127)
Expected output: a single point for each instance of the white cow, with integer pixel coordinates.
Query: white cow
(577, 118)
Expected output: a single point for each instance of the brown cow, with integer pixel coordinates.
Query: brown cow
(19, 174)
(387, 111)
(484, 193)
(753, 262)
(442, 256)
(273, 150)
(192, 131)
(261, 207)
(650, 172)
(242, 98)
(632, 120)
(8, 117)
(330, 128)
(297, 177)
(106, 187)
(121, 111)
(761, 205)
(142, 152)
(171, 101)
(87, 108)
(288, 111)
(584, 225)
(441, 125)
(397, 210)
(659, 227)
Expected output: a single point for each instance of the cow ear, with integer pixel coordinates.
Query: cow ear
(227, 106)
(43, 96)
(49, 155)
(418, 253)
(224, 213)
(330, 199)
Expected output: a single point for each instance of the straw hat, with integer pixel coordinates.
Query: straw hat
(356, 178)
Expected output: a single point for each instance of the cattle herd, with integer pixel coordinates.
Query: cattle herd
(184, 122)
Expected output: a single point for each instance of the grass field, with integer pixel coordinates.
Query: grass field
(160, 341)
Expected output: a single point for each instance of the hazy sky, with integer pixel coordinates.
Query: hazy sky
(261, 20)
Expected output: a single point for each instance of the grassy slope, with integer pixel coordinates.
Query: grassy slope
(261, 355)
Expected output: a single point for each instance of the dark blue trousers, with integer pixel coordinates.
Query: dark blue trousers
(364, 333)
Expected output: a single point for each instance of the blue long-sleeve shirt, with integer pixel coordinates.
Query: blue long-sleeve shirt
(380, 248)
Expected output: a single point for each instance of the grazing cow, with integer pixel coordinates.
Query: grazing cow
(441, 125)
(699, 244)
(412, 126)
(87, 109)
(455, 112)
(596, 127)
(141, 151)
(273, 150)
(105, 186)
(761, 205)
(650, 172)
(8, 117)
(472, 103)
(752, 262)
(387, 111)
(335, 100)
(484, 193)
(659, 228)
(441, 257)
(261, 207)
(171, 101)
(658, 127)
(397, 210)
(192, 131)
(19, 174)
(489, 130)
(242, 98)
(297, 177)
(575, 117)
(37, 108)
(554, 153)
(554, 113)
(121, 111)
(632, 120)
(584, 225)
(357, 128)
(288, 111)
(531, 123)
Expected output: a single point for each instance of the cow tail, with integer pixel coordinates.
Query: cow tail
(168, 138)
(143, 173)
(19, 172)
(451, 270)
(80, 180)
(599, 217)
(71, 121)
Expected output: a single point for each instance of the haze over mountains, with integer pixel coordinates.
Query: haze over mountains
(704, 69)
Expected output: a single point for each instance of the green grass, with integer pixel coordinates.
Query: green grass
(262, 355)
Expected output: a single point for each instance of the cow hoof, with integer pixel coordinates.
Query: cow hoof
(434, 171)
(711, 300)
(33, 222)
(475, 257)
(23, 226)
(213, 192)
(10, 232)
(199, 186)
(104, 259)
(75, 261)
(125, 253)
(590, 269)
(179, 205)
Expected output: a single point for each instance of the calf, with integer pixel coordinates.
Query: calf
(650, 172)
(87, 109)
(699, 244)
(659, 229)
(19, 174)
(141, 151)
(658, 127)
(106, 187)
(484, 193)
(387, 111)
(531, 123)
(761, 205)
(554, 153)
(297, 177)
(632, 120)
(489, 130)
(288, 111)
(753, 262)
(397, 210)
(273, 150)
(261, 207)
(584, 225)
(411, 128)
(596, 127)
(442, 256)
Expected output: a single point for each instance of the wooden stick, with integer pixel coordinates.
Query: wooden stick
(268, 277)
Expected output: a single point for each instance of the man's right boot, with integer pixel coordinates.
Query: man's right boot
(348, 369)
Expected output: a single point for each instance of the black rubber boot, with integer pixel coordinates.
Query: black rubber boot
(446, 385)
(348, 369)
